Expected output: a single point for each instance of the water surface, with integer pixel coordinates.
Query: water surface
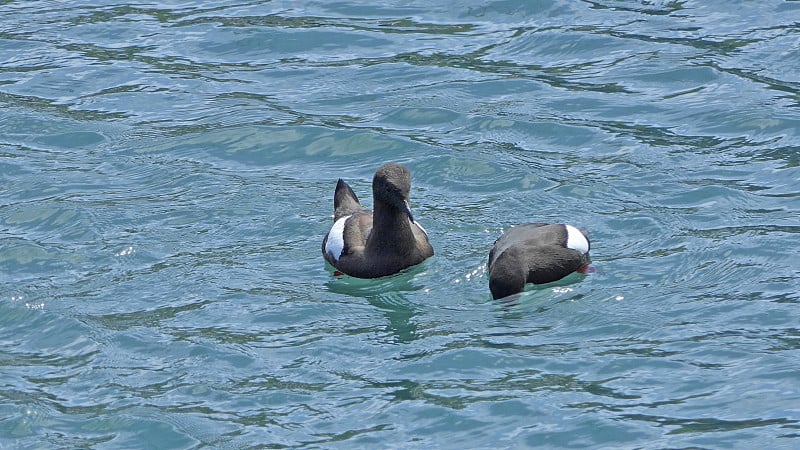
(166, 178)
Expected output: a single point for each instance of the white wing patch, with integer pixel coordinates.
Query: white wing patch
(575, 240)
(419, 225)
(335, 244)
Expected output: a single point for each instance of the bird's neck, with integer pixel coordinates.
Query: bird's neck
(391, 229)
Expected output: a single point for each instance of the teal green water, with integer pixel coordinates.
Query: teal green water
(166, 178)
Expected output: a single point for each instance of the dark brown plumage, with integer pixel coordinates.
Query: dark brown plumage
(374, 243)
(535, 253)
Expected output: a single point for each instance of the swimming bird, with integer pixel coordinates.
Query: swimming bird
(374, 243)
(535, 253)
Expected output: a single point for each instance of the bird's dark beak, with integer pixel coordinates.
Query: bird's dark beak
(408, 210)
